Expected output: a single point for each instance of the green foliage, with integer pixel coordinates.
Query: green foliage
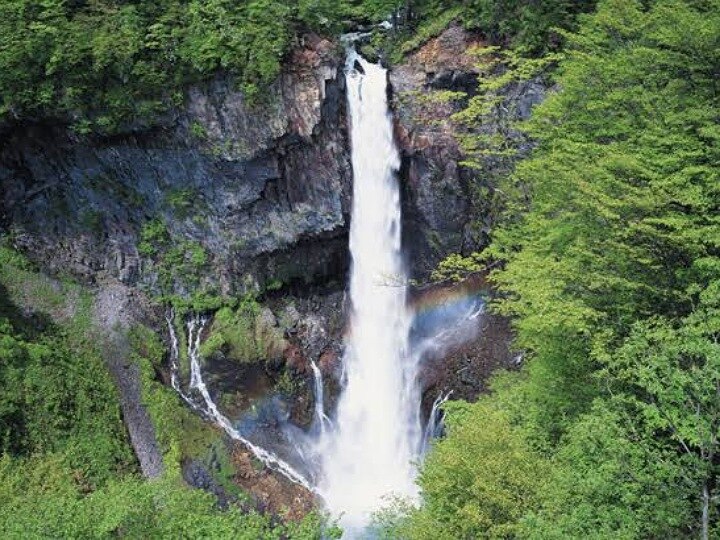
(530, 26)
(274, 285)
(180, 433)
(66, 468)
(500, 71)
(40, 500)
(178, 265)
(476, 483)
(153, 237)
(287, 384)
(427, 29)
(104, 65)
(608, 260)
(456, 267)
(632, 235)
(223, 34)
(56, 396)
(27, 287)
(181, 200)
(198, 130)
(235, 332)
(55, 399)
(608, 483)
(108, 67)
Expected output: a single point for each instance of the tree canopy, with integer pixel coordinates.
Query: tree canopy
(610, 251)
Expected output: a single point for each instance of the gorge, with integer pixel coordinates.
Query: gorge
(365, 453)
(461, 281)
(227, 200)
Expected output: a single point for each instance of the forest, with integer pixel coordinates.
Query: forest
(610, 271)
(605, 258)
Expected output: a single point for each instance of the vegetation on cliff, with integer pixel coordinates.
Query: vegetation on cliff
(107, 66)
(610, 251)
(67, 469)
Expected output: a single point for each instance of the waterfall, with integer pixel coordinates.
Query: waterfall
(370, 454)
(321, 418)
(174, 352)
(367, 456)
(175, 360)
(434, 426)
(195, 326)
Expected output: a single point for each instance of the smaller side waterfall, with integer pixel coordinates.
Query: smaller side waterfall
(174, 361)
(194, 330)
(195, 326)
(321, 418)
(434, 426)
(174, 352)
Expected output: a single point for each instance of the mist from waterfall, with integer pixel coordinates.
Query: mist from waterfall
(370, 454)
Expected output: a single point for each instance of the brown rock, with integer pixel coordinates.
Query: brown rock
(294, 358)
(271, 491)
(329, 361)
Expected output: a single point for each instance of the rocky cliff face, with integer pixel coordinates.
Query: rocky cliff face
(252, 184)
(445, 208)
(263, 189)
(259, 192)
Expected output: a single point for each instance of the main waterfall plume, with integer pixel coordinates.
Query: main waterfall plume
(370, 453)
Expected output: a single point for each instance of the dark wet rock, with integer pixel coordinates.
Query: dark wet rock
(263, 188)
(257, 185)
(315, 326)
(466, 371)
(296, 330)
(473, 347)
(197, 475)
(295, 359)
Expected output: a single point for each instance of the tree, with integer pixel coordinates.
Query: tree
(608, 260)
(674, 375)
(608, 482)
(477, 483)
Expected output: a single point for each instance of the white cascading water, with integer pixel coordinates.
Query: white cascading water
(321, 419)
(195, 327)
(434, 426)
(370, 454)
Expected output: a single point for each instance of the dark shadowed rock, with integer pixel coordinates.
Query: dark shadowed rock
(247, 181)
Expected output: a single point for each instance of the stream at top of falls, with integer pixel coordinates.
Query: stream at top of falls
(364, 454)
